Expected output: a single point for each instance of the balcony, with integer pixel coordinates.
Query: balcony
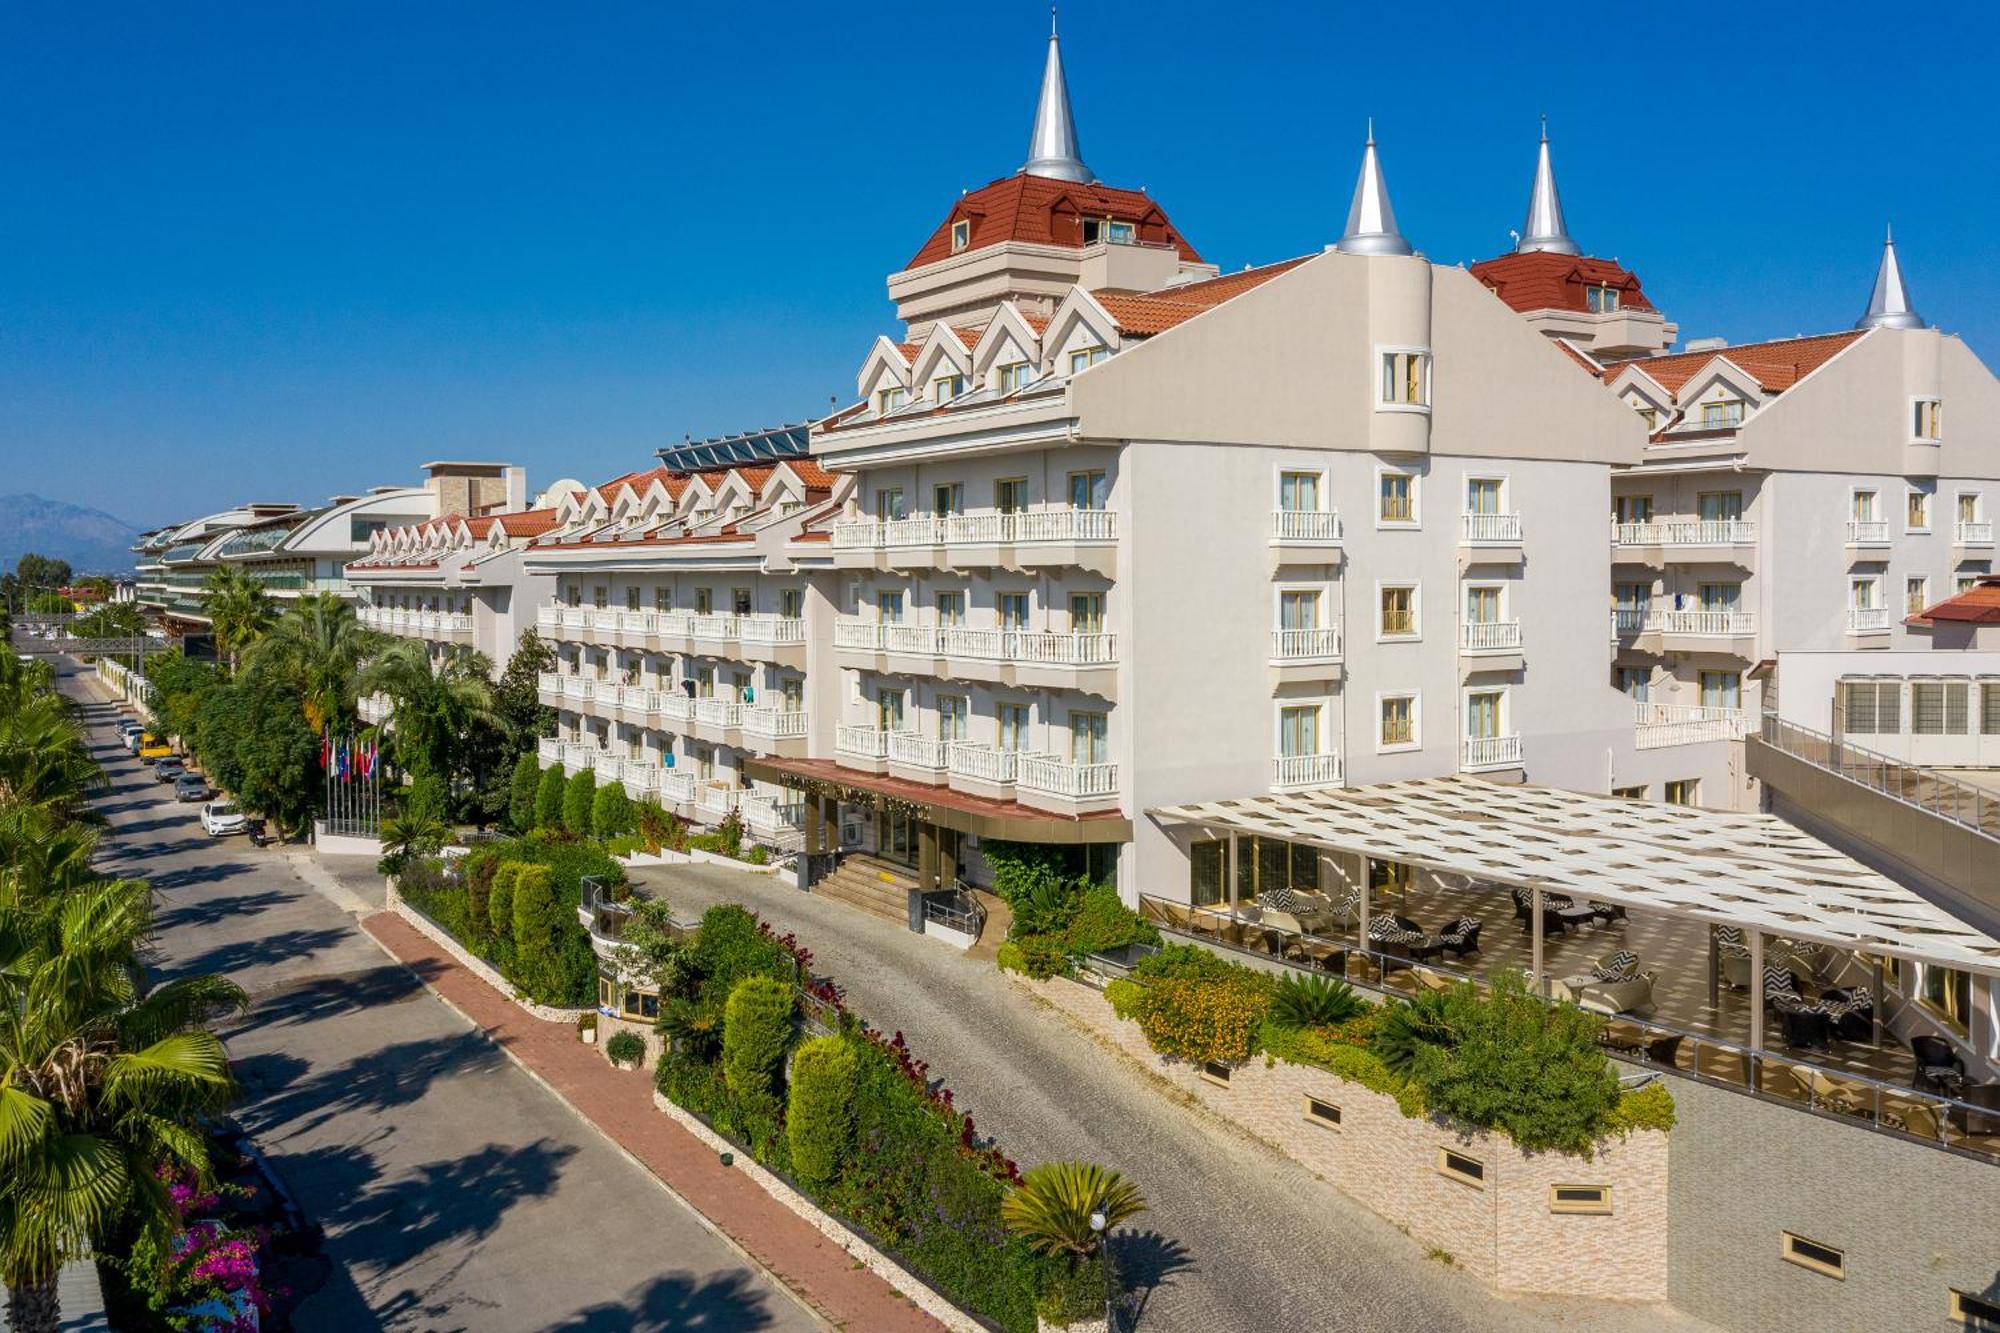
(1867, 532)
(1489, 530)
(774, 724)
(1319, 643)
(1712, 625)
(718, 719)
(1010, 656)
(926, 755)
(1972, 534)
(862, 747)
(1687, 540)
(549, 750)
(1028, 538)
(1658, 726)
(578, 690)
(982, 769)
(1627, 621)
(1867, 620)
(1289, 772)
(1306, 535)
(453, 625)
(1478, 638)
(1480, 754)
(1048, 782)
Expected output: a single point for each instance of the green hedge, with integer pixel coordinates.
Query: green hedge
(578, 797)
(756, 1028)
(819, 1117)
(549, 798)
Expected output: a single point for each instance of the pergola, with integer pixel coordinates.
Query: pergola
(1750, 871)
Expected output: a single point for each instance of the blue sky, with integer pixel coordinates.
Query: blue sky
(277, 251)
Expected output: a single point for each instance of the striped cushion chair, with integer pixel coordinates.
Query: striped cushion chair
(1385, 929)
(1461, 936)
(1279, 900)
(1617, 967)
(1781, 982)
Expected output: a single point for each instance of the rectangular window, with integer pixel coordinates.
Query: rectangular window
(1927, 707)
(1482, 604)
(1013, 730)
(1968, 506)
(739, 601)
(889, 709)
(1811, 1254)
(1683, 791)
(1089, 490)
(1325, 1114)
(1208, 869)
(947, 498)
(1012, 376)
(1719, 506)
(1398, 498)
(1916, 594)
(1929, 419)
(1086, 613)
(1085, 357)
(1989, 709)
(1863, 503)
(1398, 720)
(663, 599)
(1635, 682)
(889, 503)
(1720, 596)
(961, 234)
(1721, 689)
(1087, 740)
(1917, 512)
(947, 387)
(1010, 494)
(1865, 594)
(1298, 609)
(1651, 416)
(1406, 379)
(888, 400)
(1482, 714)
(951, 609)
(1398, 611)
(954, 713)
(1482, 495)
(1012, 609)
(1298, 492)
(889, 607)
(1298, 730)
(1588, 1199)
(1215, 1072)
(1632, 597)
(1601, 300)
(1629, 793)
(1722, 414)
(600, 596)
(1459, 1167)
(791, 602)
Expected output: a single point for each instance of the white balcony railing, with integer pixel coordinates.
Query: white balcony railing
(928, 752)
(675, 706)
(1867, 619)
(1064, 649)
(575, 617)
(638, 622)
(775, 724)
(1319, 643)
(579, 688)
(862, 742)
(911, 640)
(718, 712)
(771, 629)
(1035, 647)
(1489, 636)
(1686, 532)
(1318, 526)
(1867, 532)
(549, 682)
(675, 788)
(1491, 752)
(548, 617)
(1627, 620)
(673, 624)
(1973, 534)
(714, 627)
(549, 750)
(1060, 524)
(1660, 725)
(1724, 624)
(1305, 770)
(865, 635)
(1054, 776)
(1490, 529)
(639, 699)
(984, 763)
(642, 778)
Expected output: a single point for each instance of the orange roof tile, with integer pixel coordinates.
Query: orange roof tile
(1543, 280)
(810, 474)
(1042, 211)
(1146, 313)
(1776, 365)
(1977, 605)
(527, 523)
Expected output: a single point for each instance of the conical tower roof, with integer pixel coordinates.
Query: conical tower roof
(1371, 222)
(1889, 305)
(1053, 150)
(1545, 229)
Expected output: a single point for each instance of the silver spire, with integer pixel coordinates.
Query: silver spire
(1889, 306)
(1053, 150)
(1371, 222)
(1545, 229)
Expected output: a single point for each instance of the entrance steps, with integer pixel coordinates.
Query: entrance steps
(878, 888)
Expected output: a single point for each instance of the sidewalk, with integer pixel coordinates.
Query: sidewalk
(619, 1104)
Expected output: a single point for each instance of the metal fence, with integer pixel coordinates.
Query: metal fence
(1923, 788)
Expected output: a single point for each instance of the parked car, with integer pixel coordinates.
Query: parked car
(191, 787)
(219, 819)
(152, 748)
(168, 769)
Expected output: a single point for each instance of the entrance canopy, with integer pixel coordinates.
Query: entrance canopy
(1752, 871)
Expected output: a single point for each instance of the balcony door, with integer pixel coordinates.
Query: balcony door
(1482, 495)
(954, 717)
(1721, 689)
(1012, 609)
(947, 499)
(1298, 492)
(1482, 604)
(1632, 508)
(1719, 506)
(889, 710)
(1298, 730)
(1087, 742)
(1010, 494)
(1013, 728)
(1086, 613)
(1720, 596)
(1482, 715)
(889, 503)
(1089, 490)
(1298, 608)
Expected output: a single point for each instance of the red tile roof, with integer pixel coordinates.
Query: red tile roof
(810, 474)
(1977, 605)
(527, 523)
(1776, 366)
(1540, 280)
(1147, 313)
(1041, 211)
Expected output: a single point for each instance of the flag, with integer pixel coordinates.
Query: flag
(326, 747)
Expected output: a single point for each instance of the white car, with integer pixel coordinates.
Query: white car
(219, 819)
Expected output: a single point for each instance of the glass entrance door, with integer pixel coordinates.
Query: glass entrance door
(896, 836)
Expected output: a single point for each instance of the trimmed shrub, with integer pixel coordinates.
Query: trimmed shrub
(1103, 922)
(500, 899)
(1185, 962)
(611, 812)
(1042, 956)
(1008, 957)
(578, 797)
(1301, 1001)
(1202, 1021)
(537, 941)
(625, 1049)
(521, 792)
(731, 946)
(1124, 997)
(756, 1028)
(549, 798)
(819, 1118)
(1650, 1107)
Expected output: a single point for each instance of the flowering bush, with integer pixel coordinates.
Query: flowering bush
(206, 1276)
(1201, 1021)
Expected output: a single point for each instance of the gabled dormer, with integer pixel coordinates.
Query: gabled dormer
(884, 381)
(1081, 334)
(1008, 356)
(942, 370)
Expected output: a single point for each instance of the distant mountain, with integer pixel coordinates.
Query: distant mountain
(91, 540)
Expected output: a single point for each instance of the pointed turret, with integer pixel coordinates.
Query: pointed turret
(1053, 150)
(1371, 222)
(1545, 229)
(1889, 305)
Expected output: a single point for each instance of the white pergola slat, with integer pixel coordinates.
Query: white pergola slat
(1751, 871)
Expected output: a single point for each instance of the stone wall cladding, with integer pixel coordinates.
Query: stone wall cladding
(919, 1294)
(1912, 1221)
(476, 965)
(609, 1024)
(1503, 1234)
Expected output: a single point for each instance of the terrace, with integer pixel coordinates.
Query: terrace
(1729, 948)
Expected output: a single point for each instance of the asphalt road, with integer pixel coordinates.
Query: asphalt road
(455, 1191)
(1236, 1237)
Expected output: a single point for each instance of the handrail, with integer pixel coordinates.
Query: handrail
(1920, 788)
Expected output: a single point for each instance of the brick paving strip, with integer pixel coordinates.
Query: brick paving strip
(619, 1104)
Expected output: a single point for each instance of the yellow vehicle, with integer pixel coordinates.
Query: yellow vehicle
(152, 748)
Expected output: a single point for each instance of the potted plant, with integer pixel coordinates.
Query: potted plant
(1067, 1210)
(586, 1027)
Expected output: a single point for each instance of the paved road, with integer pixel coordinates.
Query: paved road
(456, 1192)
(1237, 1236)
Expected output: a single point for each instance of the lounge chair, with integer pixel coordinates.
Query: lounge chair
(1852, 1012)
(1807, 1026)
(1939, 1068)
(1625, 996)
(1461, 937)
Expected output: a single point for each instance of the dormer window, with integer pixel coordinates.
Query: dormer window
(1651, 416)
(1601, 300)
(961, 234)
(1722, 413)
(1012, 376)
(947, 387)
(1087, 356)
(888, 400)
(1928, 423)
(1109, 231)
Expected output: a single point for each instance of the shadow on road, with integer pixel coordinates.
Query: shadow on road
(320, 997)
(192, 875)
(724, 1303)
(229, 959)
(1147, 1261)
(383, 1080)
(209, 911)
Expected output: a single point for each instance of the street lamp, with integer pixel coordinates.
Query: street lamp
(1098, 1223)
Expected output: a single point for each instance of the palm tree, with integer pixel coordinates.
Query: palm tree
(44, 768)
(317, 649)
(237, 610)
(1064, 1208)
(101, 1085)
(434, 703)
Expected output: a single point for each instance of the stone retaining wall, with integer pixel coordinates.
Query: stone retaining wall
(918, 1293)
(1502, 1232)
(476, 965)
